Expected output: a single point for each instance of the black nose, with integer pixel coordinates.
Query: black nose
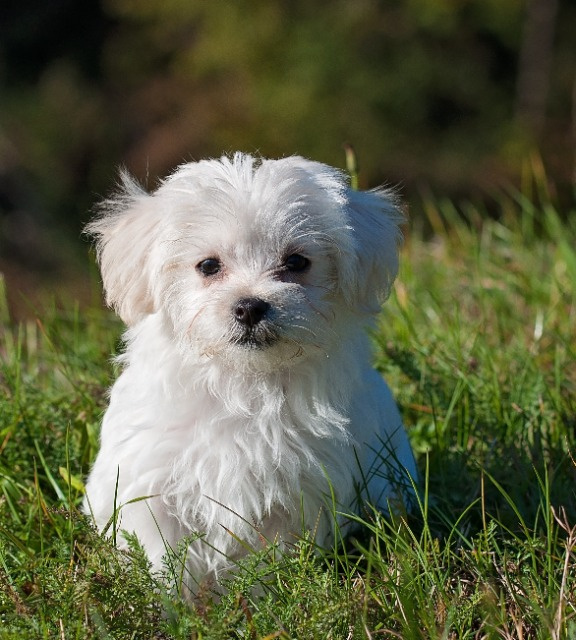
(249, 311)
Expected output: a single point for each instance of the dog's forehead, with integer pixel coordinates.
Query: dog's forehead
(259, 230)
(249, 216)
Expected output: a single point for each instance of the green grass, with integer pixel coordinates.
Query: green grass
(478, 343)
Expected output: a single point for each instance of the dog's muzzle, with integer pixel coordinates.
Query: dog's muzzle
(253, 323)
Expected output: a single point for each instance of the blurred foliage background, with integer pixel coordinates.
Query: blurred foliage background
(442, 97)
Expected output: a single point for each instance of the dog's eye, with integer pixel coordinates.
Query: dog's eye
(296, 262)
(209, 267)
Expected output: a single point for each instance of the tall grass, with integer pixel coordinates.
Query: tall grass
(478, 343)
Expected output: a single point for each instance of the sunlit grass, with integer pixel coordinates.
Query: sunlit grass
(478, 343)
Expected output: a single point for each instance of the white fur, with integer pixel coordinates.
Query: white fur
(238, 442)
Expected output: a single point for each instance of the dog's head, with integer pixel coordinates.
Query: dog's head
(249, 259)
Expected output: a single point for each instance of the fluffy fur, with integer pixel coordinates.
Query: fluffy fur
(247, 405)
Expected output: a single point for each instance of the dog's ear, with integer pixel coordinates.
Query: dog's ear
(375, 218)
(125, 232)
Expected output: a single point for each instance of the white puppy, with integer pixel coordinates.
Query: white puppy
(247, 408)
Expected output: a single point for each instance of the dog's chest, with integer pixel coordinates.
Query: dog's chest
(231, 467)
(241, 453)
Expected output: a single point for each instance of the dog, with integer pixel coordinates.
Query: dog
(247, 409)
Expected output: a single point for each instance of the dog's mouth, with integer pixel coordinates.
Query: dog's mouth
(259, 337)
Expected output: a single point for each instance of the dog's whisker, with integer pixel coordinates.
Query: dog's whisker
(298, 353)
(325, 317)
(303, 327)
(193, 320)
